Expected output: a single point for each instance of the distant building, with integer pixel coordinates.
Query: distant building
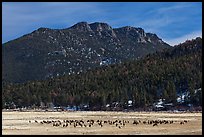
(129, 103)
(72, 108)
(159, 105)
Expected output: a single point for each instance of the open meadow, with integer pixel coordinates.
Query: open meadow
(101, 122)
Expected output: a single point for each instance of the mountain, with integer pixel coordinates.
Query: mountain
(47, 53)
(167, 74)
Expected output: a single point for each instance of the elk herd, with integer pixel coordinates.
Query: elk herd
(101, 123)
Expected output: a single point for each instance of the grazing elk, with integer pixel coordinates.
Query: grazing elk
(181, 123)
(155, 124)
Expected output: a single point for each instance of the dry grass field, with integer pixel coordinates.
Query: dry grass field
(113, 123)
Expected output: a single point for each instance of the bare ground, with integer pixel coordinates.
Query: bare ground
(18, 123)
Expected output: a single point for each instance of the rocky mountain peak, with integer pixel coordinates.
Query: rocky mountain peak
(81, 26)
(152, 35)
(97, 26)
(129, 29)
(41, 30)
(141, 32)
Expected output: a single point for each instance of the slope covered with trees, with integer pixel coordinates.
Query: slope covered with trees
(163, 74)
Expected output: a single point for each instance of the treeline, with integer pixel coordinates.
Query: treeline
(160, 75)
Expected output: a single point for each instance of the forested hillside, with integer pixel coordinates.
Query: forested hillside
(165, 74)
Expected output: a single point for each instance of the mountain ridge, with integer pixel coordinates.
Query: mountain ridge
(83, 46)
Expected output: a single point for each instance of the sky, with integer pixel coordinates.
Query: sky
(173, 22)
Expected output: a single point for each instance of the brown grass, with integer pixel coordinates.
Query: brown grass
(18, 123)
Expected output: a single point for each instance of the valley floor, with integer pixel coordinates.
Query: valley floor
(28, 123)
